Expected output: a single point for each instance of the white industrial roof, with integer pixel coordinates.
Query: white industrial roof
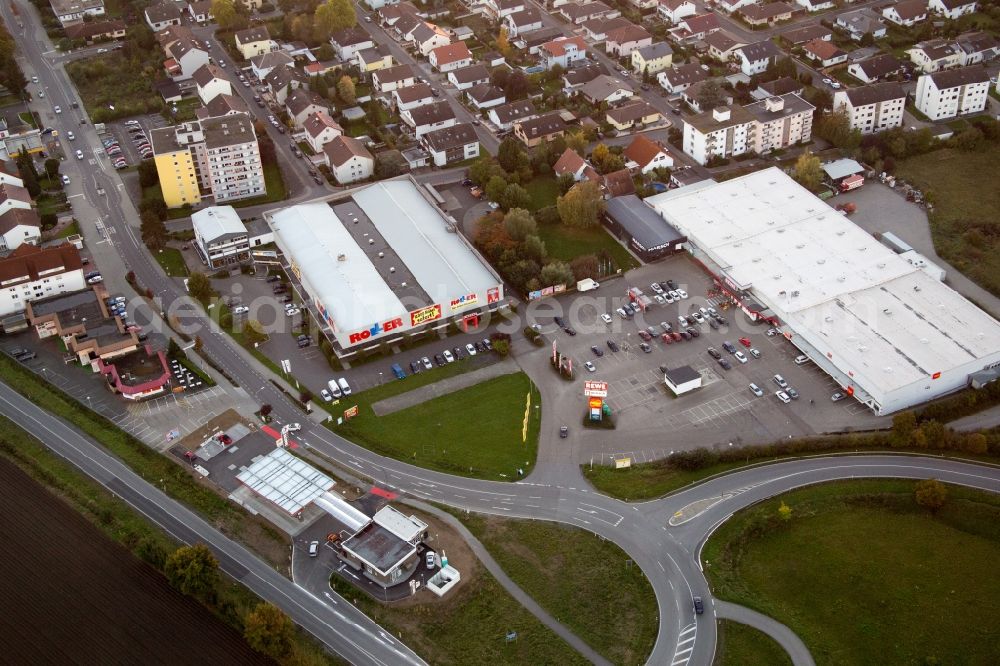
(405, 527)
(343, 511)
(878, 315)
(842, 168)
(216, 221)
(289, 482)
(444, 266)
(351, 289)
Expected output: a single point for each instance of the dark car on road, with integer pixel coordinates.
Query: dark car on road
(725, 364)
(728, 346)
(569, 331)
(612, 345)
(560, 322)
(597, 351)
(694, 332)
(480, 347)
(414, 367)
(714, 353)
(439, 360)
(699, 607)
(645, 347)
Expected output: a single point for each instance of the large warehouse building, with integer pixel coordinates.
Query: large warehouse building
(888, 332)
(382, 263)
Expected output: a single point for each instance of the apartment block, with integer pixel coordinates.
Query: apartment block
(953, 93)
(875, 108)
(781, 121)
(722, 132)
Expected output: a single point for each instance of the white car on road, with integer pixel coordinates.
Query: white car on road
(448, 356)
(241, 309)
(606, 318)
(471, 349)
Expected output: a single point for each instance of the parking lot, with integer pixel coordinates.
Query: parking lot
(650, 420)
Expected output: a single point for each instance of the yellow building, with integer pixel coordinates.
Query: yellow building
(639, 113)
(254, 42)
(374, 59)
(652, 59)
(176, 169)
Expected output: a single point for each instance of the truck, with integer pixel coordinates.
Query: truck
(587, 284)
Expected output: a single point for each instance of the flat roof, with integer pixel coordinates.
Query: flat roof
(405, 527)
(884, 320)
(72, 308)
(682, 375)
(217, 222)
(643, 223)
(285, 480)
(379, 547)
(842, 168)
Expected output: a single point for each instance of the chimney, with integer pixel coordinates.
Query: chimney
(721, 114)
(774, 103)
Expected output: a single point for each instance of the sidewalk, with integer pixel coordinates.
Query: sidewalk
(444, 387)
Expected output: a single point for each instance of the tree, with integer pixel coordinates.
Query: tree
(975, 442)
(511, 155)
(199, 286)
(52, 168)
(331, 16)
(514, 196)
(483, 169)
(26, 169)
(519, 224)
(153, 230)
(495, 188)
(503, 43)
(903, 425)
(565, 182)
(785, 512)
(345, 90)
(577, 141)
(581, 206)
(835, 127)
(390, 163)
(516, 86)
(265, 410)
(225, 14)
(253, 332)
(931, 494)
(534, 247)
(711, 94)
(147, 173)
(585, 266)
(781, 67)
(193, 570)
(556, 272)
(809, 171)
(269, 631)
(606, 161)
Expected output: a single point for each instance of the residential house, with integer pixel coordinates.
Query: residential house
(410, 97)
(302, 103)
(576, 77)
(254, 41)
(427, 37)
(571, 164)
(282, 80)
(388, 79)
(562, 52)
(956, 92)
(778, 87)
(806, 33)
(692, 96)
(452, 144)
(349, 160)
(185, 57)
(500, 9)
(429, 117)
(579, 13)
(861, 22)
(622, 41)
(639, 113)
(815, 5)
(767, 14)
(652, 59)
(722, 46)
(220, 236)
(730, 6)
(201, 11)
(507, 115)
(466, 77)
(643, 4)
(935, 55)
(349, 41)
(827, 54)
(540, 129)
(780, 122)
(617, 184)
(314, 69)
(210, 81)
(720, 133)
(697, 27)
(676, 10)
(161, 15)
(906, 13)
(377, 57)
(320, 130)
(872, 108)
(596, 30)
(678, 78)
(73, 11)
(96, 31)
(19, 226)
(485, 96)
(757, 57)
(9, 175)
(14, 196)
(876, 68)
(390, 14)
(531, 42)
(645, 155)
(222, 105)
(523, 21)
(977, 47)
(952, 9)
(450, 57)
(31, 273)
(265, 63)
(606, 90)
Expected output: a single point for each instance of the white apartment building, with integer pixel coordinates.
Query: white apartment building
(955, 92)
(723, 132)
(220, 236)
(781, 121)
(31, 273)
(875, 108)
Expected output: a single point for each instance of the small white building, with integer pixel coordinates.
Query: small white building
(19, 226)
(31, 273)
(676, 10)
(956, 92)
(320, 130)
(429, 117)
(452, 144)
(71, 11)
(873, 108)
(349, 160)
(349, 41)
(952, 9)
(210, 82)
(757, 57)
(681, 380)
(220, 236)
(563, 52)
(450, 57)
(390, 78)
(906, 13)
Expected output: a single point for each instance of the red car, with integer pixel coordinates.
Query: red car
(745, 342)
(676, 336)
(666, 338)
(645, 336)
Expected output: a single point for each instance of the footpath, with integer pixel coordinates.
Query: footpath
(444, 387)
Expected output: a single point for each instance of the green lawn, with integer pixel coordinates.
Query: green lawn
(865, 576)
(475, 432)
(565, 243)
(112, 80)
(604, 601)
(468, 626)
(28, 119)
(172, 262)
(740, 645)
(543, 191)
(645, 481)
(275, 188)
(71, 228)
(965, 223)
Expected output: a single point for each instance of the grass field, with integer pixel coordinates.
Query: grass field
(112, 80)
(543, 191)
(581, 579)
(565, 243)
(965, 222)
(740, 645)
(865, 576)
(275, 185)
(172, 262)
(475, 432)
(646, 480)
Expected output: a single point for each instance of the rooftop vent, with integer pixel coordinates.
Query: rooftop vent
(381, 255)
(886, 311)
(800, 246)
(371, 241)
(402, 284)
(880, 264)
(841, 278)
(341, 257)
(821, 261)
(392, 269)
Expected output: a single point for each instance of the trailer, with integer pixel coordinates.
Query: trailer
(587, 284)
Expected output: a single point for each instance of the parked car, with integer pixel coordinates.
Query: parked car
(430, 560)
(480, 347)
(612, 345)
(605, 317)
(756, 390)
(645, 336)
(725, 363)
(448, 356)
(644, 346)
(714, 353)
(837, 397)
(801, 359)
(782, 396)
(563, 432)
(241, 309)
(746, 342)
(740, 356)
(729, 347)
(414, 367)
(681, 293)
(666, 327)
(597, 351)
(753, 352)
(780, 381)
(459, 354)
(427, 363)
(397, 371)
(792, 393)
(486, 343)
(439, 360)
(656, 287)
(590, 366)
(693, 332)
(470, 348)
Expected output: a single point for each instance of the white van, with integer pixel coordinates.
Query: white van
(344, 386)
(334, 388)
(801, 359)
